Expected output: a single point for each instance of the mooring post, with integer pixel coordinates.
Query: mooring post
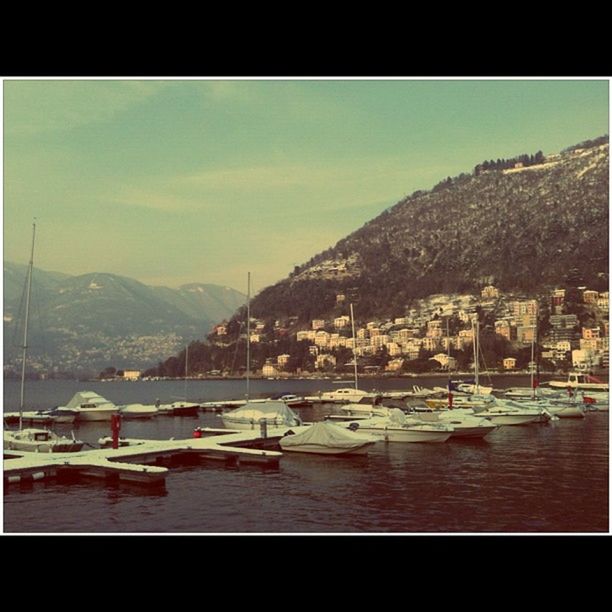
(115, 428)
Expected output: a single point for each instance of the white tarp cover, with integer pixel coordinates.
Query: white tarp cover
(272, 411)
(325, 434)
(86, 397)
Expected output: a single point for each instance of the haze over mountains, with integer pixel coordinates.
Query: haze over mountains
(95, 320)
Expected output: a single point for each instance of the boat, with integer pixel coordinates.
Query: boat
(398, 428)
(509, 412)
(88, 406)
(326, 438)
(465, 423)
(40, 441)
(272, 413)
(293, 401)
(580, 381)
(34, 439)
(138, 411)
(346, 394)
(178, 408)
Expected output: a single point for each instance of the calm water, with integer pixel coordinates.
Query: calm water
(537, 478)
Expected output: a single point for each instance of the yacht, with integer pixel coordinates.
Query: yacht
(88, 406)
(346, 395)
(581, 381)
(40, 441)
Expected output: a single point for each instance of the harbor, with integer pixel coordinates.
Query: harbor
(539, 477)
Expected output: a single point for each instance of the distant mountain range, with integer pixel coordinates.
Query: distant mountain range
(97, 320)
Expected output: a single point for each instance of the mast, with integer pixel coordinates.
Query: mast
(25, 330)
(186, 368)
(450, 396)
(476, 348)
(354, 355)
(248, 338)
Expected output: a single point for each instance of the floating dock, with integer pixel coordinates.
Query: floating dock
(144, 461)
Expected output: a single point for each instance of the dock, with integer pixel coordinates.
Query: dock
(145, 461)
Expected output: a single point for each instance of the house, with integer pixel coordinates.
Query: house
(318, 324)
(509, 363)
(131, 374)
(490, 292)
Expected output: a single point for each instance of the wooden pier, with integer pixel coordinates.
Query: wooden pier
(144, 461)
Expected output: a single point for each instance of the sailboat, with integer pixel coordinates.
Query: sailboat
(34, 439)
(359, 400)
(180, 407)
(274, 413)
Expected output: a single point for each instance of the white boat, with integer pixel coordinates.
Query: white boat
(398, 428)
(138, 411)
(368, 410)
(464, 422)
(252, 415)
(509, 412)
(40, 441)
(581, 381)
(293, 401)
(346, 395)
(325, 438)
(88, 406)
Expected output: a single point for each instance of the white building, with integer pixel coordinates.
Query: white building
(342, 321)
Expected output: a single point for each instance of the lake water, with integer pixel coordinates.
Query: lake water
(536, 478)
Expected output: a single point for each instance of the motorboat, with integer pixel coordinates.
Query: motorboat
(88, 406)
(178, 408)
(138, 411)
(398, 428)
(509, 412)
(293, 401)
(40, 441)
(465, 423)
(346, 395)
(326, 438)
(365, 410)
(272, 413)
(581, 381)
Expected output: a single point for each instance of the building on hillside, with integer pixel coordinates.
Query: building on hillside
(340, 298)
(525, 334)
(131, 374)
(221, 329)
(509, 363)
(489, 293)
(502, 328)
(583, 360)
(283, 360)
(589, 333)
(318, 324)
(343, 321)
(590, 297)
(325, 360)
(446, 362)
(603, 301)
(269, 369)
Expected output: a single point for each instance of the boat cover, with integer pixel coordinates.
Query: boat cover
(276, 411)
(86, 397)
(326, 434)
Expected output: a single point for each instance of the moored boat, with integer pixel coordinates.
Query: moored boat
(40, 441)
(326, 438)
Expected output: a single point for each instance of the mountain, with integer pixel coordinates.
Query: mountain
(520, 224)
(95, 320)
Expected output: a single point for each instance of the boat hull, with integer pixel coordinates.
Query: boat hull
(318, 449)
(512, 419)
(407, 435)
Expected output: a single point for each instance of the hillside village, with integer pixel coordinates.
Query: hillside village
(437, 332)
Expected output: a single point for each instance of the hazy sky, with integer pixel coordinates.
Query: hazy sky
(173, 182)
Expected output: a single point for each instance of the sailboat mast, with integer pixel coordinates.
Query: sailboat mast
(248, 338)
(186, 368)
(354, 355)
(476, 349)
(25, 330)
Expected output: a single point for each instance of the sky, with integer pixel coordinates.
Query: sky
(179, 181)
